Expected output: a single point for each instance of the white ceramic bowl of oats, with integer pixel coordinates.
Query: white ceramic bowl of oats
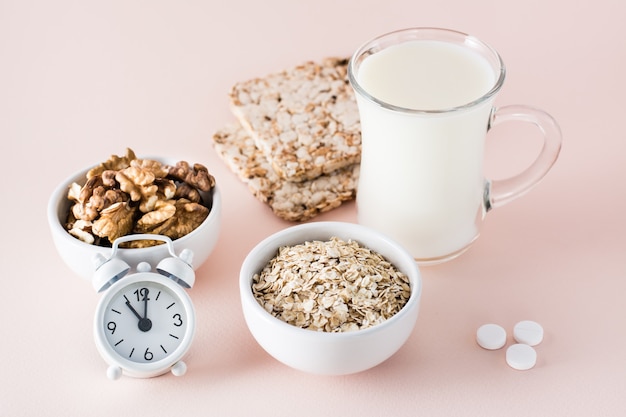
(330, 298)
(79, 255)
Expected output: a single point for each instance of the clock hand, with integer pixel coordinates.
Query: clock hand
(133, 309)
(144, 323)
(145, 303)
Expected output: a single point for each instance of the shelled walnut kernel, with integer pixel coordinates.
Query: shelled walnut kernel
(331, 286)
(125, 195)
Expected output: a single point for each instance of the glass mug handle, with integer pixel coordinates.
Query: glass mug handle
(500, 192)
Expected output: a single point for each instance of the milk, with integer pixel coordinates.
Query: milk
(421, 178)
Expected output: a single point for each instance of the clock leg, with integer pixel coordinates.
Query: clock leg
(179, 368)
(114, 372)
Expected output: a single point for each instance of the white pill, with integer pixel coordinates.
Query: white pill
(521, 357)
(491, 336)
(528, 332)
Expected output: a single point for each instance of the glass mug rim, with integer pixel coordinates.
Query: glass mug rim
(397, 37)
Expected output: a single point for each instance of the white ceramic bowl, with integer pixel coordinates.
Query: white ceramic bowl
(322, 352)
(79, 255)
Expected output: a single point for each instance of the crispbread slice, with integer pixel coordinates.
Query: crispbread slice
(304, 119)
(293, 201)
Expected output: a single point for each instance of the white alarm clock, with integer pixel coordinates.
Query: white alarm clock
(145, 322)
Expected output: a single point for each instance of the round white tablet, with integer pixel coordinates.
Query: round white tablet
(491, 336)
(528, 332)
(521, 357)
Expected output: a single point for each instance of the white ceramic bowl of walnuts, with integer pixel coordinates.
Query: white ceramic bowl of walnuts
(331, 306)
(78, 247)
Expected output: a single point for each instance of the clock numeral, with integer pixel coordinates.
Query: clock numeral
(178, 321)
(142, 294)
(111, 326)
(148, 355)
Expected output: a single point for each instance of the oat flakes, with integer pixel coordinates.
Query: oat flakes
(331, 286)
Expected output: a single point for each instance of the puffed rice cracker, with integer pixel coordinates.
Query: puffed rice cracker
(293, 201)
(304, 119)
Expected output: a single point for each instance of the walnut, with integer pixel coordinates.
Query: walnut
(155, 167)
(128, 195)
(166, 189)
(188, 192)
(82, 209)
(139, 184)
(198, 177)
(93, 197)
(147, 243)
(163, 211)
(81, 229)
(73, 193)
(103, 198)
(114, 221)
(84, 212)
(114, 163)
(187, 217)
(108, 178)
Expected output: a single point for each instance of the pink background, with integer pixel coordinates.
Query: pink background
(81, 80)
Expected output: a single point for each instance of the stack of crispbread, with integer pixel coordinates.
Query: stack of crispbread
(298, 143)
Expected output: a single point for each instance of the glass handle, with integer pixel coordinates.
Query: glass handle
(500, 192)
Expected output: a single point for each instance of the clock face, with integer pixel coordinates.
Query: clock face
(145, 321)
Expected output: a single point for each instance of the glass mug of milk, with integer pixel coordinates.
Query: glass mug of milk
(425, 98)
